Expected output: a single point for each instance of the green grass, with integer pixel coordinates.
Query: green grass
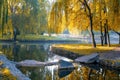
(36, 37)
(30, 37)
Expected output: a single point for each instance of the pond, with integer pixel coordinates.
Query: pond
(40, 52)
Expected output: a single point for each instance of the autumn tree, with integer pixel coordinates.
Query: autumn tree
(57, 17)
(3, 14)
(114, 11)
(90, 16)
(27, 16)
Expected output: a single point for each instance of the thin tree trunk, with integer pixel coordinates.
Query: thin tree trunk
(4, 15)
(102, 37)
(3, 18)
(101, 33)
(92, 34)
(91, 26)
(1, 14)
(6, 12)
(105, 34)
(108, 37)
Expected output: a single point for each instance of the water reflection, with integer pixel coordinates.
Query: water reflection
(40, 52)
(85, 73)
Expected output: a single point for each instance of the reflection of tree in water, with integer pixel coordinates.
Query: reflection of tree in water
(15, 51)
(35, 52)
(11, 51)
(86, 73)
(34, 73)
(41, 73)
(7, 50)
(23, 52)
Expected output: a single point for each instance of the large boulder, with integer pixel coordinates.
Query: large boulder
(88, 58)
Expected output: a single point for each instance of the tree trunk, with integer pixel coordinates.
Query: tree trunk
(108, 37)
(3, 18)
(92, 34)
(91, 26)
(101, 33)
(4, 14)
(105, 34)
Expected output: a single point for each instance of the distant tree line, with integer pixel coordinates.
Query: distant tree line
(26, 16)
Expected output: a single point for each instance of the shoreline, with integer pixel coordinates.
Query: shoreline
(108, 59)
(40, 41)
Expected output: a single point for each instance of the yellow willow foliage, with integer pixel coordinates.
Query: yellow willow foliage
(74, 31)
(112, 14)
(56, 18)
(72, 14)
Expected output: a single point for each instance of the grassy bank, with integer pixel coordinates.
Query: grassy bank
(29, 37)
(36, 37)
(85, 48)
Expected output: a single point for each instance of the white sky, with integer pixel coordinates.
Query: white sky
(51, 1)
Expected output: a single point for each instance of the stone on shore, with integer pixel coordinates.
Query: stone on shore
(12, 67)
(88, 58)
(30, 63)
(65, 68)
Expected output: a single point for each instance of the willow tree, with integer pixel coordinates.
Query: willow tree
(99, 18)
(110, 9)
(87, 14)
(114, 19)
(70, 9)
(57, 18)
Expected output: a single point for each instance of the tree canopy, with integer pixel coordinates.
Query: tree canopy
(81, 15)
(56, 16)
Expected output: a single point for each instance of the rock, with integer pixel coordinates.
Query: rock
(65, 64)
(88, 58)
(34, 63)
(30, 63)
(12, 67)
(65, 68)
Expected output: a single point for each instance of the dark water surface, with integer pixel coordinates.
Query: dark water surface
(40, 52)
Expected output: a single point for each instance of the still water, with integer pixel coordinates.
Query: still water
(40, 52)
